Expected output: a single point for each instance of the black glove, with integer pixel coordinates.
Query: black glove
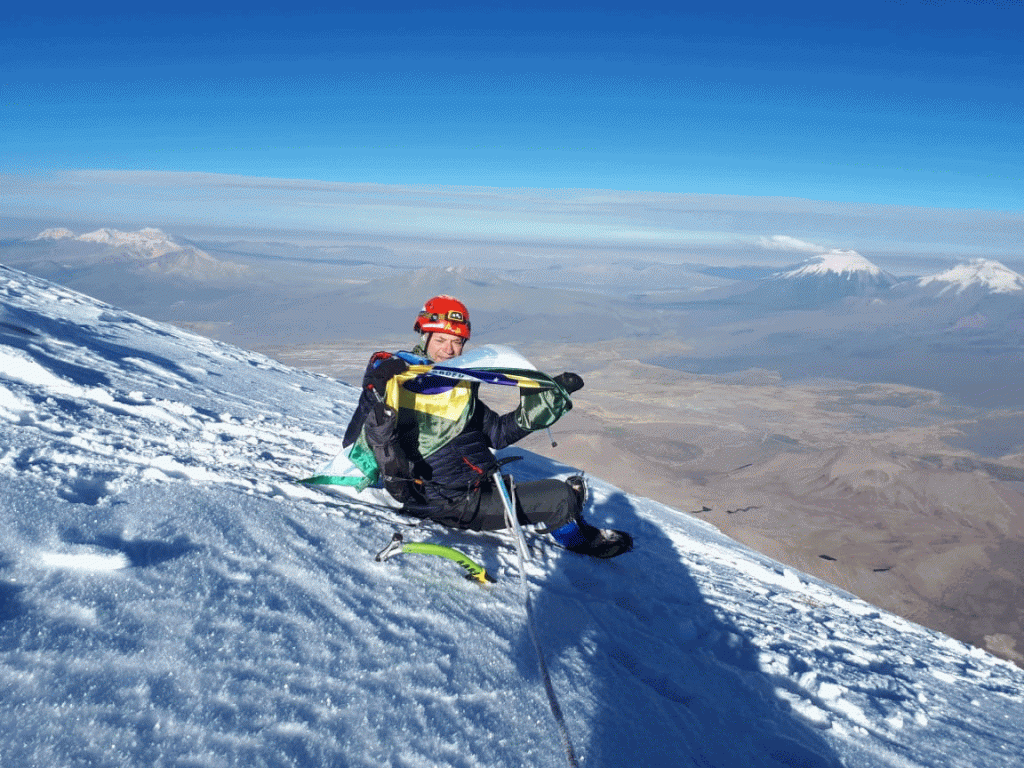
(382, 367)
(570, 382)
(380, 425)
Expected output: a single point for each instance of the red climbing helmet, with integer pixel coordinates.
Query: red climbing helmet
(443, 314)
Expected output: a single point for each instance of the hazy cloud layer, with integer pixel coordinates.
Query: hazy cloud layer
(644, 220)
(787, 243)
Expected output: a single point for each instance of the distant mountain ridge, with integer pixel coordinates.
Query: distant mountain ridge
(149, 249)
(836, 313)
(148, 242)
(841, 275)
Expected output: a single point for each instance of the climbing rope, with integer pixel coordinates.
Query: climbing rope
(513, 522)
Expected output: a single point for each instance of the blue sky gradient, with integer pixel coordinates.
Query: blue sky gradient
(888, 103)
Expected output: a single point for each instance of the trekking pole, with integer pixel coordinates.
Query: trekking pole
(511, 518)
(513, 522)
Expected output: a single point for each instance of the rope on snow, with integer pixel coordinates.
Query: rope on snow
(556, 709)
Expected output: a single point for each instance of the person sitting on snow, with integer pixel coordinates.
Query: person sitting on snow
(454, 484)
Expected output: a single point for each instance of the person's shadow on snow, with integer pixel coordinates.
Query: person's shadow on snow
(674, 682)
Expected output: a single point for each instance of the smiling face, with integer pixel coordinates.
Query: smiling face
(444, 346)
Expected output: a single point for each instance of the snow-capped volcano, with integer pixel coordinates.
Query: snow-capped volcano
(823, 280)
(976, 276)
(849, 265)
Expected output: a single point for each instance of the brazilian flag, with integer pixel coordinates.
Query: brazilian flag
(438, 400)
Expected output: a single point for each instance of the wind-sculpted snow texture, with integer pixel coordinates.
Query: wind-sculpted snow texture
(169, 596)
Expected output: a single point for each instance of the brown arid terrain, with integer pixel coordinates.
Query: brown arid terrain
(852, 483)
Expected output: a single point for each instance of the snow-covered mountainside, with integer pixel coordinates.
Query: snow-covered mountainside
(148, 242)
(169, 595)
(977, 277)
(55, 233)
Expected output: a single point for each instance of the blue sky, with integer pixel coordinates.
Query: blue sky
(889, 103)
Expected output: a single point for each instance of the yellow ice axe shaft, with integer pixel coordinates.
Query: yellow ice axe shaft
(397, 546)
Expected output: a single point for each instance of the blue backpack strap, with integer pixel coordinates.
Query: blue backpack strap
(412, 359)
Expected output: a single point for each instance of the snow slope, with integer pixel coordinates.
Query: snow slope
(169, 596)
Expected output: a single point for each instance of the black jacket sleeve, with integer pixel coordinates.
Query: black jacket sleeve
(502, 431)
(355, 426)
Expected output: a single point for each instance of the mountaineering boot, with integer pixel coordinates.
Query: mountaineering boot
(584, 539)
(601, 542)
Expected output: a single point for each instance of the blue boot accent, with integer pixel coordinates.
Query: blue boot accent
(569, 535)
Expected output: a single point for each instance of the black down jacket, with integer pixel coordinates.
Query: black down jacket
(453, 470)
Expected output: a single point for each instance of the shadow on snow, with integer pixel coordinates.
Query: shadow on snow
(677, 682)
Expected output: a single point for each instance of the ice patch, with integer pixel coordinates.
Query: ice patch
(78, 614)
(20, 367)
(84, 561)
(12, 407)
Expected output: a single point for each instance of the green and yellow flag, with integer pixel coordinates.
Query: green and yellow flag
(438, 400)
